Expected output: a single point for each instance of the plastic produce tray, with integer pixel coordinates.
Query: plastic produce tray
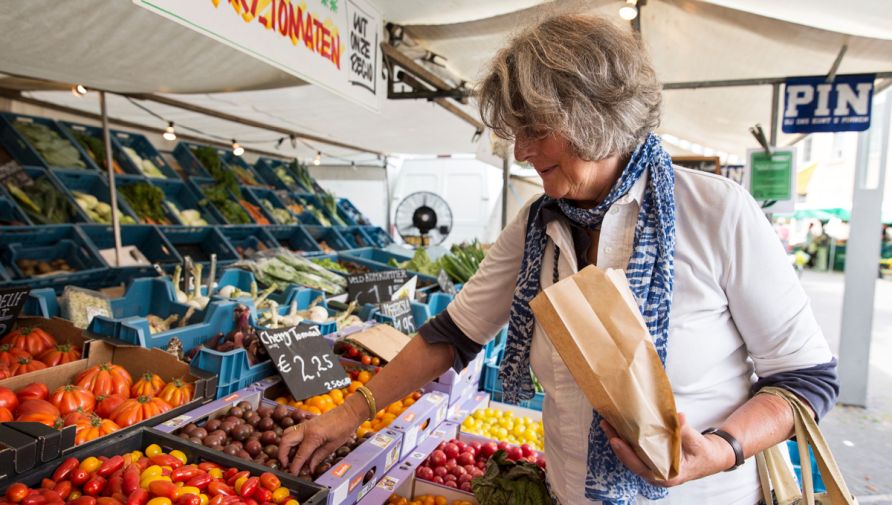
(330, 236)
(119, 158)
(187, 160)
(350, 213)
(377, 255)
(198, 185)
(355, 236)
(311, 199)
(200, 243)
(379, 237)
(10, 214)
(242, 238)
(37, 172)
(148, 239)
(265, 167)
(145, 150)
(180, 194)
(47, 243)
(288, 199)
(94, 184)
(295, 238)
(306, 492)
(254, 195)
(22, 150)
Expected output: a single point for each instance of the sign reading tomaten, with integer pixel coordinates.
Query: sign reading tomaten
(330, 43)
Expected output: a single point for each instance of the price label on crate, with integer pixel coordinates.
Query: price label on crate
(11, 302)
(401, 312)
(375, 287)
(304, 359)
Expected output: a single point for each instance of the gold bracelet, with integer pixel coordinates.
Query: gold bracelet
(369, 399)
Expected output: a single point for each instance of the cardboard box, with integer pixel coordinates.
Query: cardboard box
(348, 480)
(135, 360)
(420, 420)
(459, 411)
(61, 329)
(401, 480)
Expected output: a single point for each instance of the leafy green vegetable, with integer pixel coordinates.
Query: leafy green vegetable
(463, 261)
(302, 173)
(57, 151)
(511, 483)
(331, 205)
(281, 267)
(329, 264)
(42, 202)
(219, 170)
(420, 263)
(147, 201)
(232, 212)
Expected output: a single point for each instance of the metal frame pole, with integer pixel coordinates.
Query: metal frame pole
(775, 101)
(109, 165)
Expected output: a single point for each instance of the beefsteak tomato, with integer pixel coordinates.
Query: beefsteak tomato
(70, 398)
(25, 365)
(33, 391)
(147, 385)
(31, 340)
(40, 411)
(136, 410)
(8, 399)
(59, 354)
(106, 379)
(5, 415)
(177, 392)
(90, 427)
(105, 405)
(9, 355)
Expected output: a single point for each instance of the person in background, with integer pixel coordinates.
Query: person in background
(581, 100)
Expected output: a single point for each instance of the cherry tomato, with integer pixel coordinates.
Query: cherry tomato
(65, 469)
(107, 500)
(63, 488)
(249, 487)
(270, 481)
(83, 500)
(263, 495)
(234, 478)
(219, 488)
(200, 481)
(47, 484)
(34, 499)
(131, 479)
(79, 476)
(17, 492)
(189, 499)
(95, 486)
(111, 466)
(159, 501)
(166, 460)
(138, 497)
(162, 488)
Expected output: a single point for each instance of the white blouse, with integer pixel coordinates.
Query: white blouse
(738, 311)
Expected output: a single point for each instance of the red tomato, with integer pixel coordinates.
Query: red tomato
(33, 391)
(5, 415)
(8, 399)
(70, 398)
(16, 492)
(31, 340)
(60, 354)
(438, 458)
(106, 379)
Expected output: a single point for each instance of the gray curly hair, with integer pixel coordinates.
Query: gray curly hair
(578, 76)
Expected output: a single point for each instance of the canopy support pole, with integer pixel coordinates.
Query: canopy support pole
(113, 190)
(775, 101)
(863, 256)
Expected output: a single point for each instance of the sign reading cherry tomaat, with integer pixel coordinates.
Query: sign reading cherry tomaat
(330, 43)
(813, 104)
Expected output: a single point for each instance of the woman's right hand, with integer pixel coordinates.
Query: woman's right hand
(320, 436)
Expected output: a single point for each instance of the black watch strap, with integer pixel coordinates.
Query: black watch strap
(735, 445)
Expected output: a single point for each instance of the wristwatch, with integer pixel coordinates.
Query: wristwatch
(735, 445)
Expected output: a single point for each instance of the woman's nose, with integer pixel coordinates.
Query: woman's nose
(524, 148)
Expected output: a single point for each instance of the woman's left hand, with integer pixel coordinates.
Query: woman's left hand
(700, 455)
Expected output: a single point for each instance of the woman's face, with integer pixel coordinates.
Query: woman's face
(565, 175)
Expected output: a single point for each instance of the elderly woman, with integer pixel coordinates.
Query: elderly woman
(726, 312)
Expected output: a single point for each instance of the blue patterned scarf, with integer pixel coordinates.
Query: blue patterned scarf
(650, 274)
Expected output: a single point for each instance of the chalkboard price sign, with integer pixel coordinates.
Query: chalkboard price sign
(375, 287)
(305, 360)
(11, 302)
(401, 312)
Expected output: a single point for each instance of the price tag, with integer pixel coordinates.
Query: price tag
(304, 359)
(14, 173)
(401, 312)
(11, 302)
(445, 283)
(375, 287)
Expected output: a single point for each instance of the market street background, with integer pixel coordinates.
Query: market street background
(861, 439)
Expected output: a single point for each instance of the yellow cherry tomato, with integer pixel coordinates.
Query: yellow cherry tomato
(154, 450)
(239, 483)
(159, 501)
(90, 464)
(179, 455)
(152, 470)
(292, 502)
(204, 499)
(216, 473)
(280, 494)
(180, 491)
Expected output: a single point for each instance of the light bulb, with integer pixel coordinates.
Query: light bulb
(169, 134)
(629, 11)
(237, 149)
(78, 90)
(318, 159)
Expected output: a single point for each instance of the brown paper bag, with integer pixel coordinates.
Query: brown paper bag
(593, 321)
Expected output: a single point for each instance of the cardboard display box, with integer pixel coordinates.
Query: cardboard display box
(347, 481)
(420, 420)
(136, 360)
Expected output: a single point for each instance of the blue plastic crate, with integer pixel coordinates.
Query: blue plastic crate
(120, 161)
(197, 185)
(248, 238)
(817, 480)
(187, 160)
(437, 302)
(330, 236)
(48, 243)
(355, 236)
(42, 303)
(304, 216)
(350, 213)
(295, 238)
(379, 237)
(10, 214)
(145, 150)
(267, 167)
(25, 152)
(256, 196)
(37, 173)
(378, 255)
(307, 200)
(420, 314)
(92, 183)
(148, 239)
(181, 195)
(190, 164)
(200, 242)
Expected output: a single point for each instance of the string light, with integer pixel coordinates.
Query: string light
(169, 134)
(237, 149)
(279, 143)
(293, 141)
(318, 159)
(78, 90)
(629, 11)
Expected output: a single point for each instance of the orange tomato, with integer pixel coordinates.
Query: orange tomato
(149, 384)
(364, 377)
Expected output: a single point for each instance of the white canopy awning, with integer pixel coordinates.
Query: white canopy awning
(118, 46)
